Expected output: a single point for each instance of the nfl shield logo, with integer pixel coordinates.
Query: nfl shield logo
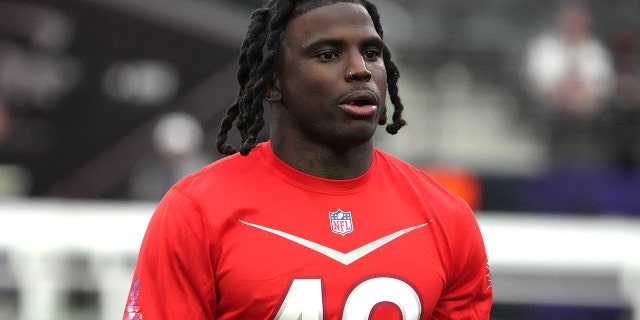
(341, 222)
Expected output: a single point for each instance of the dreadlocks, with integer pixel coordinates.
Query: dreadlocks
(257, 62)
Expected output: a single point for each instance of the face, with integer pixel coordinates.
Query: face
(330, 84)
(574, 21)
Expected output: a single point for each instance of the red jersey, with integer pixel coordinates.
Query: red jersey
(252, 238)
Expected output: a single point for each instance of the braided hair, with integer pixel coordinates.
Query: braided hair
(257, 62)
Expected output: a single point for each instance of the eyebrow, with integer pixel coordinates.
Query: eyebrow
(333, 42)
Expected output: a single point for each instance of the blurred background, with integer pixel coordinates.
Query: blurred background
(524, 108)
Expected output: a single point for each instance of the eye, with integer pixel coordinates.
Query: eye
(327, 56)
(371, 54)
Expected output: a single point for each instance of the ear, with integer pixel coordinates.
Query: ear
(272, 92)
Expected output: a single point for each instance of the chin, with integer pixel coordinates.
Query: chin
(355, 138)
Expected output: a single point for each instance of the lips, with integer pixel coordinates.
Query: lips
(361, 103)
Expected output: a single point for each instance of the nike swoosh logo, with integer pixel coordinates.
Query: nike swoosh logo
(344, 258)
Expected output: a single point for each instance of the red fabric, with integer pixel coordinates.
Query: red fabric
(231, 241)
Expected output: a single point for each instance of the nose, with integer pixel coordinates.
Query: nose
(357, 69)
(364, 75)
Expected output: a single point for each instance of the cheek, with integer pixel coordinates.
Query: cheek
(380, 71)
(309, 86)
(380, 78)
(379, 75)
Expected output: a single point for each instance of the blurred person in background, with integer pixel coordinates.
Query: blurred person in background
(8, 181)
(570, 72)
(623, 125)
(4, 123)
(178, 141)
(315, 223)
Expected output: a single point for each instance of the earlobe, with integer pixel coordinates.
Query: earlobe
(272, 92)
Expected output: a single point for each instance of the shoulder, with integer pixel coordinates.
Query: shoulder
(209, 192)
(545, 41)
(596, 48)
(440, 201)
(391, 163)
(444, 201)
(222, 174)
(411, 177)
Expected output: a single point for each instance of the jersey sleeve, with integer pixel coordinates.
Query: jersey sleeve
(173, 278)
(468, 294)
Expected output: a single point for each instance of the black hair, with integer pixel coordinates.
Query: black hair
(257, 63)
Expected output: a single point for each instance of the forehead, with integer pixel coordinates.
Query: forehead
(329, 21)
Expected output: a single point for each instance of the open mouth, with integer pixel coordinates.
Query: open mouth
(360, 98)
(360, 107)
(362, 102)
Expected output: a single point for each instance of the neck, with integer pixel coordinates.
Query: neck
(322, 161)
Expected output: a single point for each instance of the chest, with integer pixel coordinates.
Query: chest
(329, 262)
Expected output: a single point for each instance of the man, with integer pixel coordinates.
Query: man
(315, 223)
(569, 68)
(569, 72)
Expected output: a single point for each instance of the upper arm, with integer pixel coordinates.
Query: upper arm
(469, 293)
(174, 273)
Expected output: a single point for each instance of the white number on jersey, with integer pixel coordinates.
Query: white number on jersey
(304, 300)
